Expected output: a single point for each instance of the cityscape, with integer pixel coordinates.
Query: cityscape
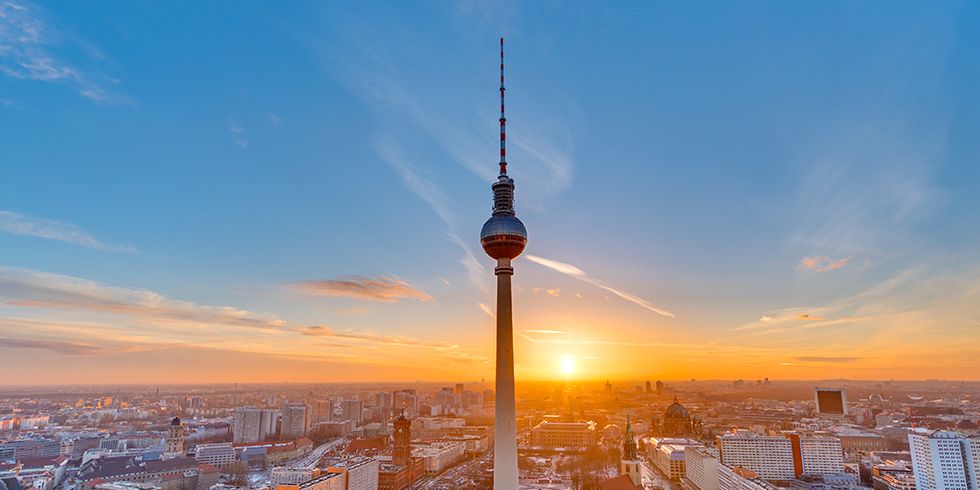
(679, 435)
(239, 246)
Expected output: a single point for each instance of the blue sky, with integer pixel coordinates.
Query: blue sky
(794, 183)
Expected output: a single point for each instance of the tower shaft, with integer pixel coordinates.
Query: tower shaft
(505, 417)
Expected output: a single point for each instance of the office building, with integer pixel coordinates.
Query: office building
(737, 478)
(281, 475)
(221, 455)
(295, 421)
(322, 480)
(817, 455)
(360, 473)
(701, 464)
(252, 424)
(769, 457)
(352, 410)
(563, 434)
(944, 460)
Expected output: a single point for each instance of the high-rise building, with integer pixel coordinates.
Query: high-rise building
(701, 467)
(295, 421)
(252, 424)
(322, 411)
(175, 440)
(503, 238)
(770, 457)
(361, 473)
(352, 410)
(817, 455)
(783, 457)
(944, 460)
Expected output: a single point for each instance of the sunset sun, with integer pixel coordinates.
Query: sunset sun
(567, 366)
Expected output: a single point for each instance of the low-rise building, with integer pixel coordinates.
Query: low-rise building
(439, 455)
(563, 434)
(220, 455)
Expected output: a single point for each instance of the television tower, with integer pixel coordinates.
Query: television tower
(503, 238)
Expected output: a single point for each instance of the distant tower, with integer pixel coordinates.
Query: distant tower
(503, 238)
(402, 449)
(175, 440)
(630, 464)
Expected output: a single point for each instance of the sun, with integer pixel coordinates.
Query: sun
(566, 365)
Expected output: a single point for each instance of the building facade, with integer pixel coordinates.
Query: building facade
(563, 434)
(944, 460)
(770, 457)
(221, 455)
(701, 470)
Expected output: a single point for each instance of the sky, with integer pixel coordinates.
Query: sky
(259, 192)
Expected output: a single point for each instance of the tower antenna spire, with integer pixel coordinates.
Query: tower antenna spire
(503, 120)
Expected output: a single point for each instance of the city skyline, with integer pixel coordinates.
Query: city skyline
(296, 195)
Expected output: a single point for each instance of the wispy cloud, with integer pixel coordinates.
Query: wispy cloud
(556, 292)
(20, 224)
(823, 264)
(426, 190)
(275, 120)
(388, 289)
(579, 274)
(36, 289)
(238, 136)
(371, 337)
(827, 359)
(486, 309)
(121, 320)
(27, 42)
(61, 347)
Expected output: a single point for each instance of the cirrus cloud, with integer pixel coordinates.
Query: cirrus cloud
(571, 270)
(388, 289)
(21, 224)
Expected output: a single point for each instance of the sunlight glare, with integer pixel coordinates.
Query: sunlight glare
(567, 366)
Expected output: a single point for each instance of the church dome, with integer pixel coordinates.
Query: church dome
(175, 421)
(676, 410)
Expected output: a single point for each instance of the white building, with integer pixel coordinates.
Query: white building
(281, 475)
(362, 473)
(668, 455)
(944, 460)
(326, 481)
(439, 455)
(730, 478)
(702, 467)
(771, 457)
(220, 455)
(821, 455)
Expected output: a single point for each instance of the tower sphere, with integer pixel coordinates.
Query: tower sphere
(503, 236)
